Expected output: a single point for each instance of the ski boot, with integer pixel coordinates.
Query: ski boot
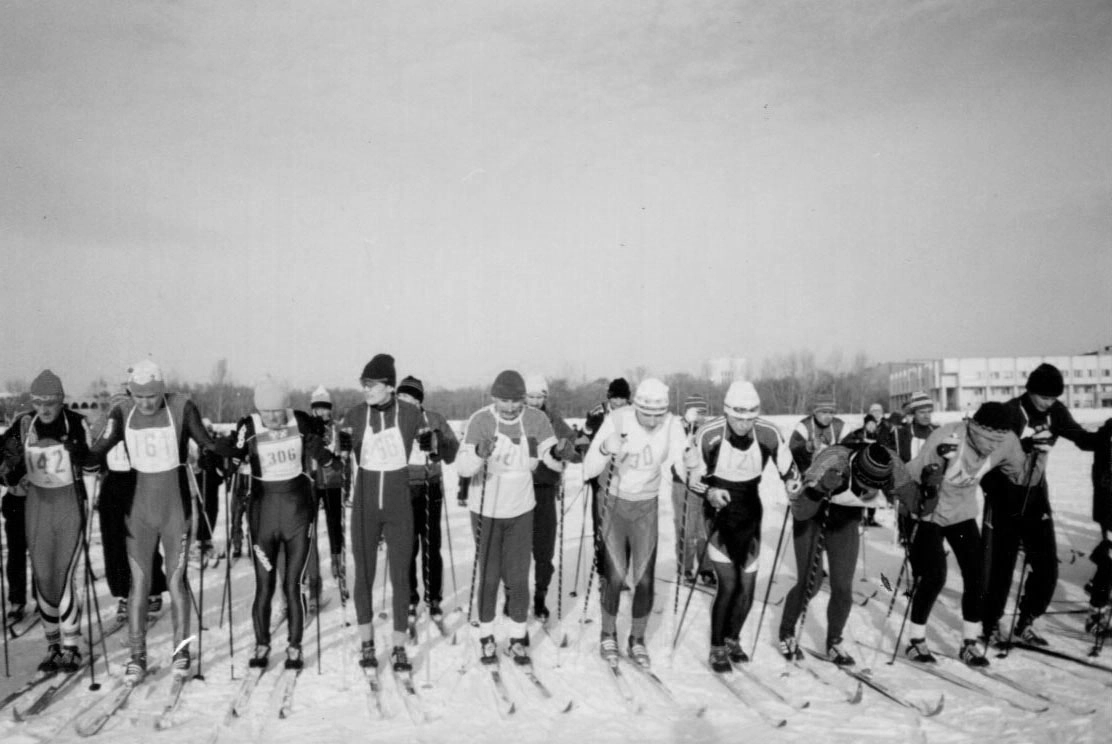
(489, 650)
(789, 649)
(400, 660)
(121, 611)
(367, 657)
(1025, 631)
(182, 660)
(540, 610)
(971, 653)
(518, 650)
(735, 652)
(435, 612)
(836, 654)
(608, 647)
(70, 660)
(16, 613)
(917, 651)
(294, 659)
(49, 665)
(136, 669)
(720, 660)
(638, 652)
(260, 659)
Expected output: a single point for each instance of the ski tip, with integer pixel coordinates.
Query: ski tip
(937, 708)
(858, 694)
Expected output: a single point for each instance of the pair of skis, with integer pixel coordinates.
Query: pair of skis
(414, 705)
(892, 694)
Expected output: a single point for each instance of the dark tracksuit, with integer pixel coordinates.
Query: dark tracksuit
(546, 489)
(426, 490)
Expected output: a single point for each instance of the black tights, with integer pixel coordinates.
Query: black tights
(732, 601)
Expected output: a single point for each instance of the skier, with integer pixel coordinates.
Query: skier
(47, 448)
(691, 535)
(502, 444)
(157, 427)
(815, 432)
(383, 430)
(328, 482)
(1101, 584)
(841, 483)
(618, 395)
(14, 510)
(629, 452)
(726, 462)
(437, 444)
(1011, 518)
(546, 489)
(278, 442)
(209, 471)
(948, 468)
(908, 439)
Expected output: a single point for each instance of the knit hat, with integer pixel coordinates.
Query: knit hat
(536, 385)
(413, 387)
(619, 388)
(271, 395)
(823, 402)
(872, 467)
(698, 402)
(46, 384)
(381, 369)
(869, 418)
(1047, 381)
(742, 400)
(508, 385)
(652, 397)
(320, 398)
(918, 400)
(145, 378)
(994, 415)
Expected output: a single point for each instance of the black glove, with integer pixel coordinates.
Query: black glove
(932, 476)
(77, 448)
(946, 450)
(484, 448)
(564, 451)
(345, 441)
(424, 440)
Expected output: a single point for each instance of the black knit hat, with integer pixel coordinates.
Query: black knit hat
(381, 368)
(619, 388)
(412, 386)
(1046, 380)
(508, 385)
(872, 467)
(994, 415)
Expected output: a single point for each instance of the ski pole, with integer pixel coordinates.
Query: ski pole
(691, 590)
(93, 684)
(582, 536)
(200, 552)
(315, 588)
(1015, 613)
(817, 545)
(478, 543)
(681, 552)
(4, 604)
(451, 553)
(83, 501)
(229, 486)
(771, 579)
(560, 559)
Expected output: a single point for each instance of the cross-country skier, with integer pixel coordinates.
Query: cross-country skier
(502, 445)
(47, 448)
(727, 461)
(546, 489)
(1101, 584)
(816, 432)
(1011, 518)
(436, 444)
(948, 468)
(328, 483)
(687, 507)
(841, 483)
(383, 430)
(157, 427)
(631, 449)
(279, 442)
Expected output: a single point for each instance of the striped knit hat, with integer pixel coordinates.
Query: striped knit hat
(413, 387)
(698, 402)
(872, 467)
(742, 400)
(918, 400)
(824, 402)
(651, 398)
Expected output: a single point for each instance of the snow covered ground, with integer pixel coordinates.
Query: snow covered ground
(331, 706)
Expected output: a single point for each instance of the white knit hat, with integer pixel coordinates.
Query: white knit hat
(651, 397)
(320, 397)
(536, 385)
(271, 395)
(145, 378)
(742, 400)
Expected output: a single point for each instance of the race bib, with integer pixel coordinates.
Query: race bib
(117, 458)
(153, 450)
(738, 465)
(279, 452)
(383, 451)
(509, 457)
(48, 466)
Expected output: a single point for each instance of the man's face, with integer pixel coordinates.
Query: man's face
(409, 399)
(323, 412)
(739, 425)
(922, 416)
(824, 417)
(876, 411)
(148, 404)
(616, 403)
(1042, 402)
(376, 392)
(649, 421)
(47, 407)
(508, 410)
(535, 400)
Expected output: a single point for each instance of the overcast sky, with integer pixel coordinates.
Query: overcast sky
(562, 187)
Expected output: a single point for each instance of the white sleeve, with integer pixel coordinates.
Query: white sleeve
(677, 446)
(594, 462)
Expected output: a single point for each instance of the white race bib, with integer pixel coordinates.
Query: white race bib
(382, 451)
(48, 466)
(279, 450)
(117, 458)
(736, 465)
(153, 450)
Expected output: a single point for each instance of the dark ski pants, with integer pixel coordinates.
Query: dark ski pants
(240, 500)
(544, 536)
(928, 564)
(394, 523)
(1004, 533)
(116, 493)
(427, 498)
(841, 542)
(332, 502)
(280, 518)
(503, 553)
(15, 531)
(209, 483)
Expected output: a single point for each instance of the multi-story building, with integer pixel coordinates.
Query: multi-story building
(725, 370)
(963, 384)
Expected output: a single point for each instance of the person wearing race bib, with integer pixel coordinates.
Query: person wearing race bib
(840, 484)
(436, 444)
(949, 468)
(156, 427)
(819, 430)
(117, 489)
(631, 449)
(328, 483)
(501, 447)
(279, 443)
(725, 466)
(47, 448)
(382, 430)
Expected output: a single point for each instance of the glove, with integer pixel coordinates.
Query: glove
(424, 440)
(612, 445)
(564, 451)
(77, 448)
(1041, 441)
(718, 497)
(946, 450)
(484, 448)
(793, 485)
(345, 440)
(932, 476)
(209, 460)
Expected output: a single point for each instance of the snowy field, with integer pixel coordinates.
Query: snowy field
(332, 705)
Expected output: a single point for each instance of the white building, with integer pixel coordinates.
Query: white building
(724, 370)
(963, 384)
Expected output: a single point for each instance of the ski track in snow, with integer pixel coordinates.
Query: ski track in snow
(331, 707)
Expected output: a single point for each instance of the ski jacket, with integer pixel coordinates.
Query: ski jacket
(502, 484)
(426, 465)
(808, 439)
(639, 463)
